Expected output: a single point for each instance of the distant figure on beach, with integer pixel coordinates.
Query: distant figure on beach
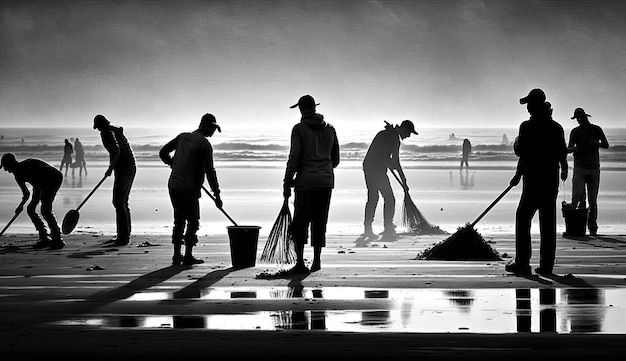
(383, 154)
(80, 157)
(452, 137)
(122, 165)
(584, 142)
(541, 149)
(505, 139)
(192, 161)
(68, 150)
(313, 156)
(467, 149)
(45, 181)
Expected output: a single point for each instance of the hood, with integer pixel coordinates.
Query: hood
(314, 120)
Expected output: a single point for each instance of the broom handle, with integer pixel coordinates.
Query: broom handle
(398, 179)
(492, 204)
(221, 209)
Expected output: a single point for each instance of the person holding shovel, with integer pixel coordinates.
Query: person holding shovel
(383, 154)
(541, 149)
(122, 165)
(584, 143)
(192, 161)
(46, 181)
(313, 156)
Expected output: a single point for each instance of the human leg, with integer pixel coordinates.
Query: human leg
(299, 229)
(371, 203)
(547, 230)
(47, 198)
(389, 207)
(593, 186)
(31, 210)
(178, 205)
(320, 206)
(122, 185)
(523, 219)
(193, 224)
(578, 188)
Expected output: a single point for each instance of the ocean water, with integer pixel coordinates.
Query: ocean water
(250, 168)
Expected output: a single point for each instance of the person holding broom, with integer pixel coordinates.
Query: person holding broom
(46, 181)
(383, 154)
(541, 149)
(192, 160)
(313, 156)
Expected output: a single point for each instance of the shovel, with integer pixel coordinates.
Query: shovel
(71, 217)
(8, 224)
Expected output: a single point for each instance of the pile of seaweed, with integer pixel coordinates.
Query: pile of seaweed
(466, 244)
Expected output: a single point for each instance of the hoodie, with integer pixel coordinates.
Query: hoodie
(313, 155)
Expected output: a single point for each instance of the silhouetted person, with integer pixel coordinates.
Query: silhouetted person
(584, 142)
(68, 149)
(313, 155)
(80, 157)
(45, 181)
(541, 149)
(192, 160)
(467, 149)
(505, 139)
(383, 154)
(123, 167)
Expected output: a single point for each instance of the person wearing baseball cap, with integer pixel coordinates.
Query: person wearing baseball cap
(191, 163)
(45, 181)
(383, 154)
(313, 156)
(542, 151)
(585, 141)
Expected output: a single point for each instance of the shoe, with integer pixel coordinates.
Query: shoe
(369, 234)
(543, 271)
(43, 243)
(116, 243)
(191, 260)
(316, 266)
(56, 244)
(593, 232)
(297, 269)
(177, 259)
(517, 269)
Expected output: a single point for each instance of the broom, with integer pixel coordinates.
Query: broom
(279, 247)
(412, 218)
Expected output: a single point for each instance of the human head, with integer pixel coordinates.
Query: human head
(535, 102)
(99, 122)
(580, 114)
(305, 103)
(406, 128)
(208, 124)
(8, 162)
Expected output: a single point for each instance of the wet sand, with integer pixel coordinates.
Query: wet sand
(85, 280)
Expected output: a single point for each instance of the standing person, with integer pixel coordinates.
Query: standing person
(68, 149)
(467, 149)
(584, 142)
(122, 165)
(193, 158)
(383, 154)
(313, 156)
(80, 157)
(541, 149)
(45, 181)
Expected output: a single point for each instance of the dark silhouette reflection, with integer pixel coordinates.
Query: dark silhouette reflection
(127, 321)
(466, 179)
(243, 294)
(522, 307)
(547, 314)
(376, 294)
(375, 318)
(585, 319)
(189, 322)
(461, 298)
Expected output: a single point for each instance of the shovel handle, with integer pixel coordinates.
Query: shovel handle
(11, 221)
(492, 204)
(221, 209)
(92, 192)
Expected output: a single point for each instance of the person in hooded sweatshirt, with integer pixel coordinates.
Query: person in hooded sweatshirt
(313, 155)
(122, 165)
(383, 154)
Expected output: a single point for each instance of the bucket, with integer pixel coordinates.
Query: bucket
(575, 220)
(243, 245)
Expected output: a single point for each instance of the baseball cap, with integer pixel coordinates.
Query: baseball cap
(534, 96)
(407, 124)
(305, 101)
(579, 113)
(209, 120)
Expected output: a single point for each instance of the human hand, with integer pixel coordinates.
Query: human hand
(563, 174)
(515, 180)
(218, 201)
(286, 191)
(108, 172)
(19, 209)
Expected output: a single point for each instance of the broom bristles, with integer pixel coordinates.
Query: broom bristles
(414, 221)
(279, 247)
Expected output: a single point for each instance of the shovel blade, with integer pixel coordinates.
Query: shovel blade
(69, 221)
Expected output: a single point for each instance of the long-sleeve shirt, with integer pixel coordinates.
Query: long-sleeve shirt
(541, 147)
(115, 142)
(585, 141)
(193, 158)
(384, 151)
(36, 172)
(313, 155)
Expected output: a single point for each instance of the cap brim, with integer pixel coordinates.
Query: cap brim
(416, 133)
(523, 100)
(293, 106)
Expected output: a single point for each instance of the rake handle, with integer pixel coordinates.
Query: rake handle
(11, 221)
(492, 204)
(221, 209)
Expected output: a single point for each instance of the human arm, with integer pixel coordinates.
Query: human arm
(293, 162)
(211, 174)
(335, 152)
(110, 144)
(166, 150)
(25, 194)
(603, 142)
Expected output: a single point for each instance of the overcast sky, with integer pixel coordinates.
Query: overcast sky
(439, 63)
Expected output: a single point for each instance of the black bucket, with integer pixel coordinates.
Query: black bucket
(575, 220)
(243, 245)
